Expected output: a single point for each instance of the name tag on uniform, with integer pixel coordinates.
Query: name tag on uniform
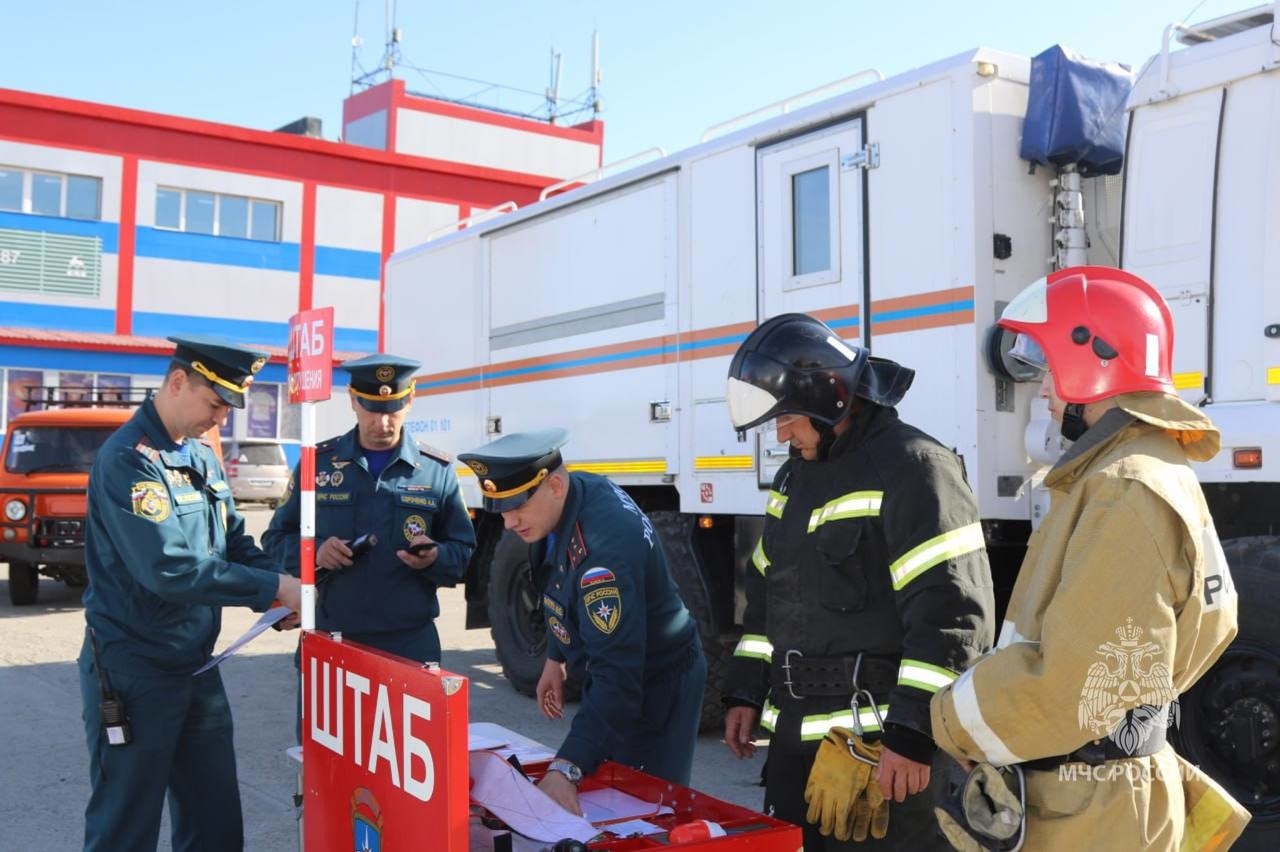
(218, 485)
(333, 496)
(417, 500)
(185, 498)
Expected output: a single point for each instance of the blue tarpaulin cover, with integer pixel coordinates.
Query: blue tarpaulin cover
(1075, 112)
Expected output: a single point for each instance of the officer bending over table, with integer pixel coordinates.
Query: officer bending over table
(165, 550)
(391, 525)
(614, 615)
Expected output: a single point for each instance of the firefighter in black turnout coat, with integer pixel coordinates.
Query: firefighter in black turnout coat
(868, 591)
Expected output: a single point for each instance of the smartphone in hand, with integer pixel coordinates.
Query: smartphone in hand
(363, 545)
(421, 548)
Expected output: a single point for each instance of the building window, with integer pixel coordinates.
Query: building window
(50, 193)
(217, 214)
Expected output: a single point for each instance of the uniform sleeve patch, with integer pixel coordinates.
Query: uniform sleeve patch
(596, 576)
(560, 631)
(150, 500)
(604, 607)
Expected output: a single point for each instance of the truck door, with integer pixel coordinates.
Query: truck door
(1168, 220)
(810, 237)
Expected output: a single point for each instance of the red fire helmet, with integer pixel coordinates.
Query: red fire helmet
(1101, 332)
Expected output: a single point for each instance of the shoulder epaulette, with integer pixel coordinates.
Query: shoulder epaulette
(431, 452)
(326, 445)
(577, 549)
(149, 452)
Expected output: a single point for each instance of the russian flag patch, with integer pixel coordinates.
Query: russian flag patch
(596, 576)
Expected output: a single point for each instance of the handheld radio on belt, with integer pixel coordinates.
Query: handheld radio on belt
(114, 719)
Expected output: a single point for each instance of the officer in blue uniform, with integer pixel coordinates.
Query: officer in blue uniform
(614, 616)
(377, 481)
(166, 550)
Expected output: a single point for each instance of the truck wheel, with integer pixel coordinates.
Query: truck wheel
(24, 582)
(676, 532)
(515, 615)
(1230, 719)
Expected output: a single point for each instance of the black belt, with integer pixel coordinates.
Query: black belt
(1098, 752)
(798, 676)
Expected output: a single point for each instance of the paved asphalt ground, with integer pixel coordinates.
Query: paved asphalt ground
(44, 763)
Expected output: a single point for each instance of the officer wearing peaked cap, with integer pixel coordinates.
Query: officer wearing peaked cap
(376, 479)
(613, 613)
(228, 369)
(165, 550)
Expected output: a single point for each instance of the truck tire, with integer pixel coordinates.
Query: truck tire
(1229, 721)
(516, 622)
(676, 533)
(24, 583)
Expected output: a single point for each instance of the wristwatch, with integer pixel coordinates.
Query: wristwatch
(568, 769)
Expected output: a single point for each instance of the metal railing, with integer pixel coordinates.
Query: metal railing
(473, 219)
(599, 171)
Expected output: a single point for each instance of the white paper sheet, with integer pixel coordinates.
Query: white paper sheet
(524, 749)
(512, 798)
(268, 618)
(479, 742)
(634, 826)
(607, 805)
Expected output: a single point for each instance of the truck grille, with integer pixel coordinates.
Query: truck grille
(60, 532)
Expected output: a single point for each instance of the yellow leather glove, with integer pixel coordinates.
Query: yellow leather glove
(840, 785)
(870, 811)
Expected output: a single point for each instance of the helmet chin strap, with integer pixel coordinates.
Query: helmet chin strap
(1073, 425)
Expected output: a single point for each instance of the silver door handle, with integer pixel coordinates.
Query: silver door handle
(774, 452)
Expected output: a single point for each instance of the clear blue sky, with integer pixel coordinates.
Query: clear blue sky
(670, 68)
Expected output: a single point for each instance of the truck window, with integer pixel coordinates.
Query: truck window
(54, 448)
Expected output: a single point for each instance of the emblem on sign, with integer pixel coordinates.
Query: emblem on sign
(366, 821)
(604, 606)
(414, 526)
(150, 500)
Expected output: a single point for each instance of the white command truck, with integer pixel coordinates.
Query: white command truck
(903, 215)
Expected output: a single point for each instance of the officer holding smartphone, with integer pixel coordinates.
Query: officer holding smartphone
(391, 525)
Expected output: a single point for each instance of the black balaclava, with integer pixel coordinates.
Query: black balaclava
(1073, 425)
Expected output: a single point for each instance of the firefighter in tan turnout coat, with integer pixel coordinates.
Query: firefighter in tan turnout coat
(1124, 599)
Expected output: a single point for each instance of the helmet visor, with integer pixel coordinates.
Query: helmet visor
(749, 404)
(1026, 351)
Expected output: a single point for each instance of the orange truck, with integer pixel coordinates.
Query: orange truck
(47, 455)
